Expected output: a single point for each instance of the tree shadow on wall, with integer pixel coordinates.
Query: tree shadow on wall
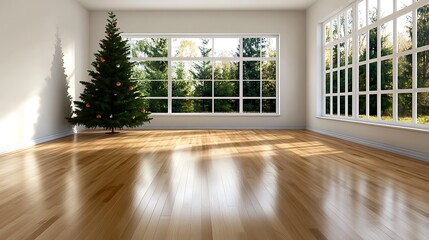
(55, 100)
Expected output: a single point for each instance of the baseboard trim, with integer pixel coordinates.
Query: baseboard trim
(148, 127)
(30, 143)
(385, 147)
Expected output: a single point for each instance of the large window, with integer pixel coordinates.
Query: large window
(207, 74)
(376, 63)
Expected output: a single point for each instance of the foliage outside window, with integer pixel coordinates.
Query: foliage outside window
(376, 63)
(207, 74)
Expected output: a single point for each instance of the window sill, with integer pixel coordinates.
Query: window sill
(214, 115)
(423, 129)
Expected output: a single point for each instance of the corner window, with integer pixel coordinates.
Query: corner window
(376, 68)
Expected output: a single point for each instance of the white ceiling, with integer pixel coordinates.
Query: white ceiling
(196, 4)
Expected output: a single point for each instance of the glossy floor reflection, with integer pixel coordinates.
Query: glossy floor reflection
(211, 184)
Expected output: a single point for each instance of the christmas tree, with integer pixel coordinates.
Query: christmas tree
(111, 100)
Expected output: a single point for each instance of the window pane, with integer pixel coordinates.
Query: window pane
(386, 107)
(251, 70)
(386, 38)
(183, 88)
(201, 70)
(373, 106)
(334, 105)
(151, 70)
(268, 88)
(405, 107)
(226, 105)
(422, 26)
(192, 70)
(268, 105)
(269, 70)
(423, 69)
(386, 74)
(404, 24)
(202, 105)
(423, 108)
(327, 32)
(342, 54)
(251, 47)
(183, 105)
(335, 28)
(251, 105)
(157, 88)
(342, 25)
(350, 106)
(327, 58)
(203, 89)
(158, 105)
(149, 47)
(226, 89)
(335, 56)
(269, 47)
(372, 11)
(362, 47)
(362, 14)
(349, 20)
(328, 105)
(343, 80)
(226, 47)
(405, 70)
(192, 88)
(335, 82)
(373, 76)
(386, 8)
(145, 87)
(251, 88)
(362, 78)
(227, 70)
(342, 105)
(350, 50)
(192, 47)
(362, 106)
(373, 43)
(400, 4)
(328, 83)
(350, 80)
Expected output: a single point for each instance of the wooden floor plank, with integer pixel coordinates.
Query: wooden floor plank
(211, 184)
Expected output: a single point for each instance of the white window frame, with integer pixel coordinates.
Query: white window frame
(170, 58)
(356, 32)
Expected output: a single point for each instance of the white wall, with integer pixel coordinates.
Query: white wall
(289, 24)
(43, 45)
(409, 142)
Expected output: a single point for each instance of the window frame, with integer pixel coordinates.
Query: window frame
(171, 58)
(356, 32)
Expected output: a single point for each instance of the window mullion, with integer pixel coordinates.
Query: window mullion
(213, 83)
(170, 78)
(414, 68)
(355, 62)
(240, 76)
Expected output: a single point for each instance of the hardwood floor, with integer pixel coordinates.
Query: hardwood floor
(211, 184)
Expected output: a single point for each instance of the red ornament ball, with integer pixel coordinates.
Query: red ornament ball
(102, 60)
(130, 88)
(142, 110)
(118, 84)
(88, 105)
(98, 116)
